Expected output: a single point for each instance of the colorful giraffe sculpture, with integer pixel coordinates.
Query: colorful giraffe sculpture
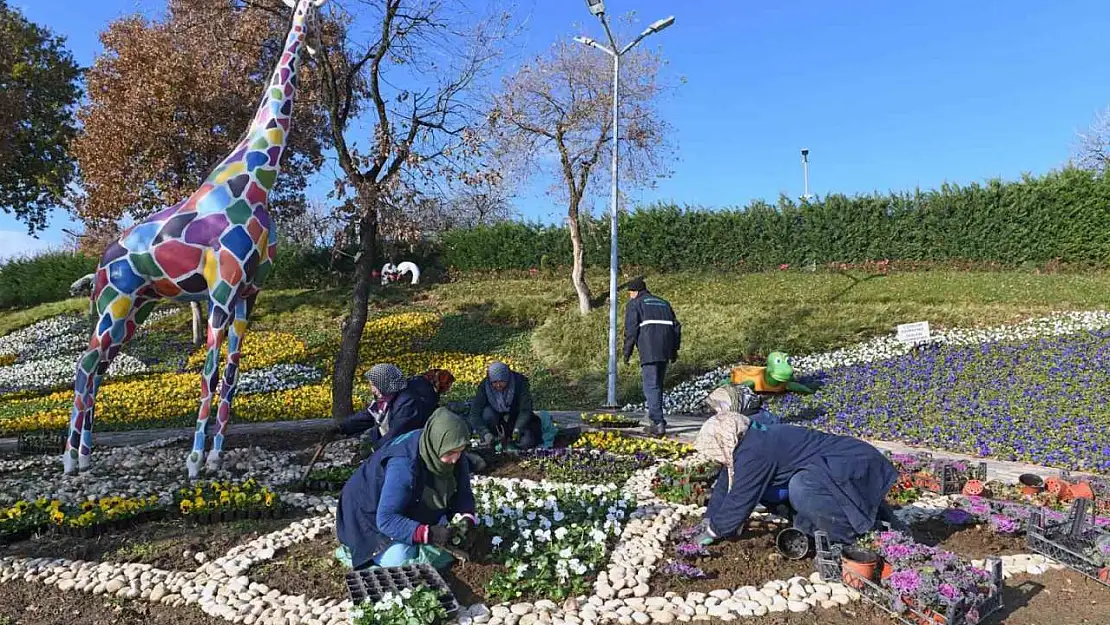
(218, 245)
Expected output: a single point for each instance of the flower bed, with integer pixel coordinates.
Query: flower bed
(687, 485)
(619, 443)
(580, 466)
(550, 540)
(92, 518)
(330, 479)
(1039, 402)
(260, 349)
(606, 420)
(213, 502)
(24, 518)
(918, 584)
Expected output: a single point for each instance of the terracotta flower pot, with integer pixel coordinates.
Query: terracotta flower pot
(887, 570)
(1031, 484)
(1081, 490)
(857, 565)
(974, 488)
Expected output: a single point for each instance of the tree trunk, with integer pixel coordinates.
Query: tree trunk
(197, 336)
(578, 269)
(346, 361)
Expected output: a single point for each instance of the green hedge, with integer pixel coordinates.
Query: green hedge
(47, 277)
(1063, 215)
(42, 278)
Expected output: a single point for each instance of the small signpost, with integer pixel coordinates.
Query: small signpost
(914, 333)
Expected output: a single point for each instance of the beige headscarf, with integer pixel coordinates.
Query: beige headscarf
(722, 432)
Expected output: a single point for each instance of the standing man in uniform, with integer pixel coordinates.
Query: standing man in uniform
(651, 327)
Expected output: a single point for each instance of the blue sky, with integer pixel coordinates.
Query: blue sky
(886, 95)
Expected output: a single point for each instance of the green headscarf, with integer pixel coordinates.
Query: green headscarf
(444, 432)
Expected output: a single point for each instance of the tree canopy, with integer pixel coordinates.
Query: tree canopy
(39, 87)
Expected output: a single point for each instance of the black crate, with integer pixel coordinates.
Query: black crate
(1068, 541)
(35, 443)
(372, 584)
(827, 563)
(945, 479)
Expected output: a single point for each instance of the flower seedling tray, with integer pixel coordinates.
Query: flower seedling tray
(1071, 541)
(35, 443)
(942, 476)
(234, 514)
(828, 566)
(372, 584)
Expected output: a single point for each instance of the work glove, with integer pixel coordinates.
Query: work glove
(441, 534)
(470, 518)
(487, 438)
(516, 436)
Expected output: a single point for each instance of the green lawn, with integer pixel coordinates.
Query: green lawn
(725, 317)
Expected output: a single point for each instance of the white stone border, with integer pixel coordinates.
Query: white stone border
(223, 586)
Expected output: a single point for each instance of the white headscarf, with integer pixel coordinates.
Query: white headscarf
(722, 432)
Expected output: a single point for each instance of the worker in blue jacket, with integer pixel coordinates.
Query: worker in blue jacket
(835, 483)
(396, 508)
(650, 326)
(502, 409)
(399, 406)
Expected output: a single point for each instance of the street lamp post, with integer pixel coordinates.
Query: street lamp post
(805, 173)
(597, 7)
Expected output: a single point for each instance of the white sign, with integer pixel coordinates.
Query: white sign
(914, 333)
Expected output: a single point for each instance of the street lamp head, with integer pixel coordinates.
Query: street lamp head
(659, 25)
(805, 152)
(597, 7)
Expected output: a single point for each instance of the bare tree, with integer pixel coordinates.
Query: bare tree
(414, 70)
(554, 114)
(1092, 150)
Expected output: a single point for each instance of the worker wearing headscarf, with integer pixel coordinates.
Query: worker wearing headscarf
(502, 409)
(834, 483)
(399, 406)
(396, 507)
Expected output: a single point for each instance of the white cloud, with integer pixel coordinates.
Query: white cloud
(14, 243)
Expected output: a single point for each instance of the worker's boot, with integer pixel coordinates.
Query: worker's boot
(656, 429)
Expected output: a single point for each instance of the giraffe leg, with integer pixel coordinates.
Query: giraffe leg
(218, 319)
(236, 332)
(114, 328)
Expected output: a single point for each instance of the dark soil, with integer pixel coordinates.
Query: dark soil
(1056, 598)
(974, 542)
(750, 559)
(503, 465)
(468, 580)
(160, 544)
(307, 568)
(28, 603)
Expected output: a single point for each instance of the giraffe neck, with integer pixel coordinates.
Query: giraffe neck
(261, 150)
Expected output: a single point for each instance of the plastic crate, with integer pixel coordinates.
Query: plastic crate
(372, 584)
(34, 443)
(1068, 541)
(945, 478)
(827, 563)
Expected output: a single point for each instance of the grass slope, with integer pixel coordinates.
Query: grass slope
(725, 317)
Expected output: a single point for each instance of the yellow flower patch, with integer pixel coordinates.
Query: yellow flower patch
(617, 443)
(385, 337)
(260, 349)
(307, 402)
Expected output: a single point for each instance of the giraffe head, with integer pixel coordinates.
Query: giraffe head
(307, 11)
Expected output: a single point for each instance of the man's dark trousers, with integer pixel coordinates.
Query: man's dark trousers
(652, 374)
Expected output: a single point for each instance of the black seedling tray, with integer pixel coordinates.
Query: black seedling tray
(1069, 541)
(828, 566)
(41, 443)
(372, 584)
